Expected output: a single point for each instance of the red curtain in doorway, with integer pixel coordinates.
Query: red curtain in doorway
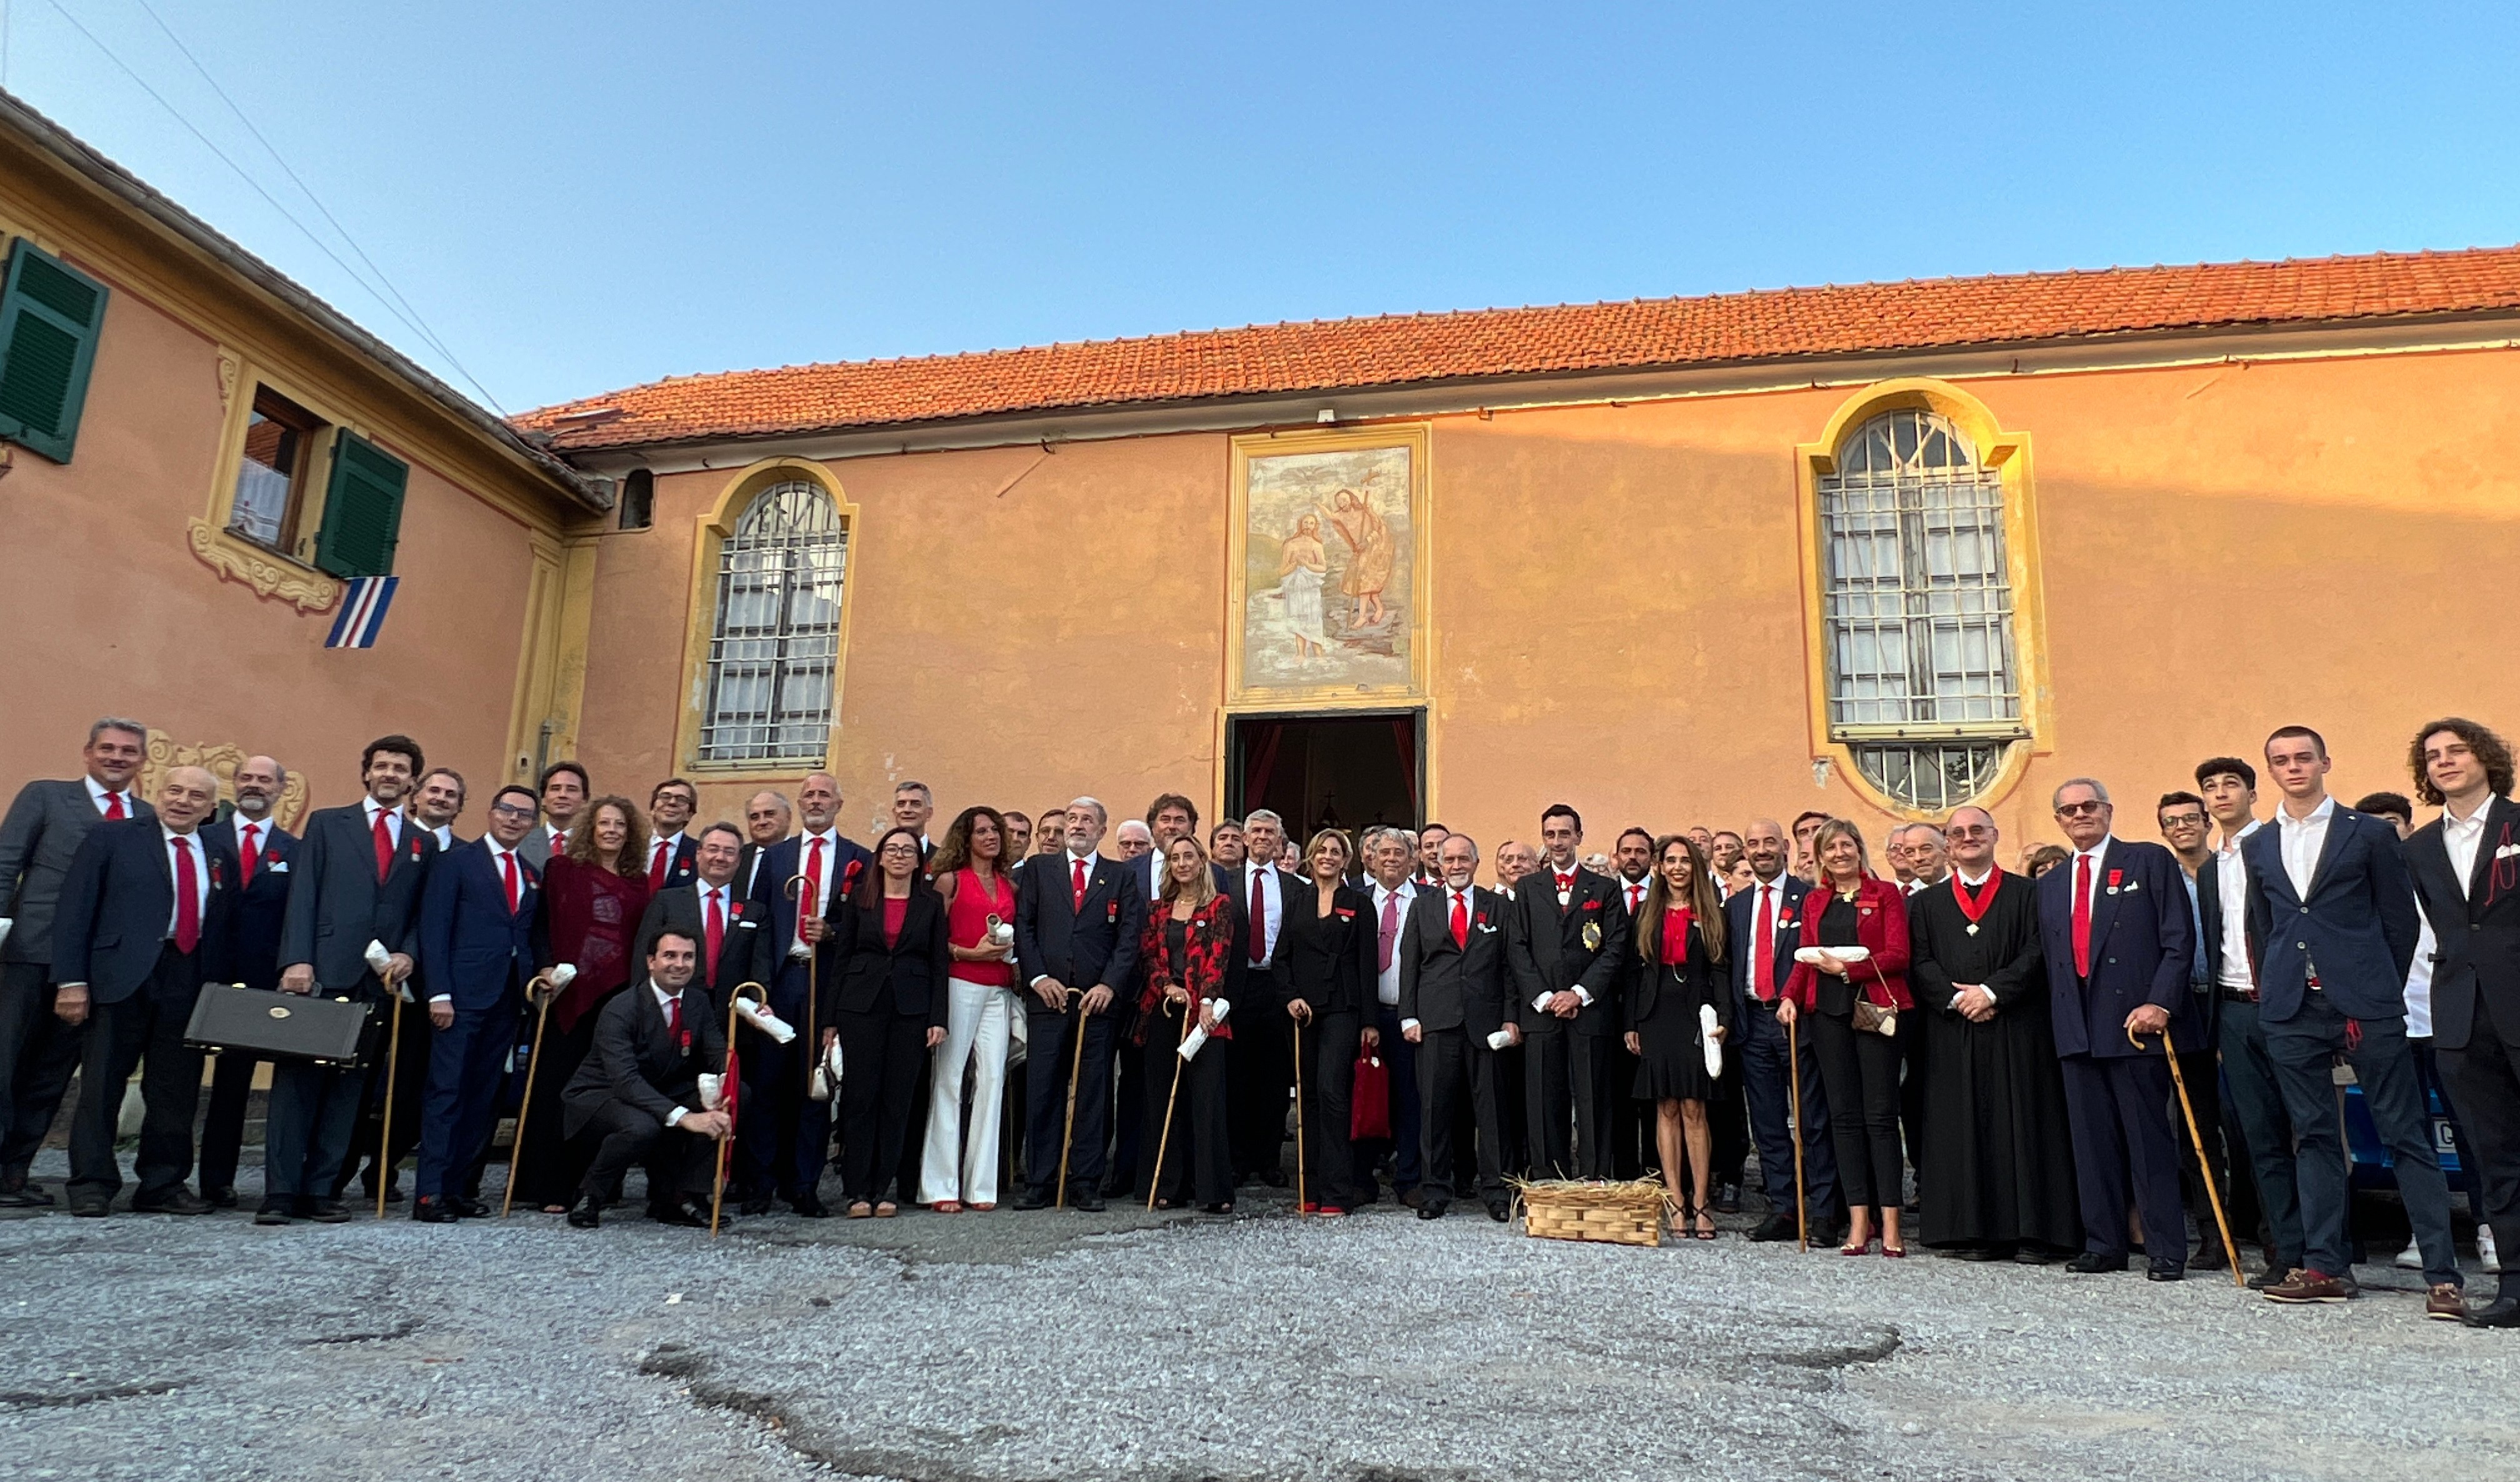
(1260, 740)
(1404, 741)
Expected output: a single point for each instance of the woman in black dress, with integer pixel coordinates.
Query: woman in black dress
(1327, 943)
(1680, 953)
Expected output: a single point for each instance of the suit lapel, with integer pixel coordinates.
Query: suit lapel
(2501, 814)
(2338, 824)
(2104, 903)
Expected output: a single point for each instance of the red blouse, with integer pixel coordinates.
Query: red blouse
(967, 924)
(895, 907)
(1880, 927)
(1675, 936)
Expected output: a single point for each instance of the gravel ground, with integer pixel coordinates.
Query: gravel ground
(1122, 1345)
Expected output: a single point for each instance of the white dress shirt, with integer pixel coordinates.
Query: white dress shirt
(2099, 878)
(2231, 890)
(2302, 839)
(262, 827)
(1273, 909)
(671, 843)
(1386, 983)
(2462, 838)
(2420, 978)
(192, 843)
(98, 792)
(665, 1007)
(444, 834)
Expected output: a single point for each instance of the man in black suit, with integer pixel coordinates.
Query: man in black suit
(2466, 866)
(711, 912)
(1078, 920)
(1765, 921)
(670, 806)
(1566, 953)
(2333, 915)
(788, 1140)
(1260, 1059)
(263, 851)
(357, 883)
(637, 1092)
(37, 840)
(1455, 1007)
(143, 911)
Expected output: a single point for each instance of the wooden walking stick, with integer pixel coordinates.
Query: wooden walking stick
(2205, 1167)
(1075, 1070)
(1794, 1090)
(385, 1134)
(542, 1001)
(1299, 1119)
(730, 1085)
(1155, 1181)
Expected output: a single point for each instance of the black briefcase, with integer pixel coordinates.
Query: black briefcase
(282, 1027)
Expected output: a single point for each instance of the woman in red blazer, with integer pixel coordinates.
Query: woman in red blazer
(1858, 1070)
(1187, 948)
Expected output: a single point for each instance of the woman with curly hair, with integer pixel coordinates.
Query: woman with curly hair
(971, 871)
(1185, 949)
(593, 896)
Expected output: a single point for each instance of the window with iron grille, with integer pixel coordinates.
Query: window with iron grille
(776, 642)
(1918, 610)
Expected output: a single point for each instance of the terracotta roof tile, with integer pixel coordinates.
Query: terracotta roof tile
(1393, 350)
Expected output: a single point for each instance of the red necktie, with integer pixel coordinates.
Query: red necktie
(716, 932)
(384, 846)
(188, 898)
(813, 901)
(560, 842)
(1079, 883)
(1460, 920)
(250, 855)
(1635, 899)
(2082, 915)
(674, 1016)
(507, 868)
(1390, 932)
(1763, 966)
(656, 866)
(114, 812)
(1259, 921)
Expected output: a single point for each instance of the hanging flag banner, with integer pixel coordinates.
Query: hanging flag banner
(363, 613)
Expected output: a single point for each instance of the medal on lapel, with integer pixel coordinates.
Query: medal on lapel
(1592, 936)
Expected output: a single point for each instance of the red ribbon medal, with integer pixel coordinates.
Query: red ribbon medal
(1974, 906)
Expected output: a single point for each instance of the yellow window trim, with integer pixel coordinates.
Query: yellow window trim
(709, 544)
(2008, 455)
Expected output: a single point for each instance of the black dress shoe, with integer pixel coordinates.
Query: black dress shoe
(1500, 1211)
(1033, 1198)
(2162, 1269)
(2501, 1312)
(1432, 1209)
(2032, 1255)
(466, 1206)
(176, 1200)
(272, 1212)
(222, 1197)
(1728, 1198)
(429, 1209)
(2210, 1256)
(20, 1194)
(1775, 1227)
(810, 1206)
(758, 1204)
(1087, 1200)
(1975, 1253)
(2092, 1263)
(1412, 1197)
(677, 1213)
(587, 1213)
(327, 1212)
(91, 1206)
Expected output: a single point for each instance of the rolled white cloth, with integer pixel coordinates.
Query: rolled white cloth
(1199, 1036)
(764, 1020)
(1706, 1037)
(1813, 955)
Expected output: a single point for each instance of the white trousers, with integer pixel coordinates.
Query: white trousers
(963, 1163)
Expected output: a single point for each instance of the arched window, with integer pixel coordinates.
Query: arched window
(776, 640)
(1924, 685)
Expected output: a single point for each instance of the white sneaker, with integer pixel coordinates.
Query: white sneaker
(2411, 1258)
(2485, 1252)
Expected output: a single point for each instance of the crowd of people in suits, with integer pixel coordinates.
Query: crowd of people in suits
(2075, 1059)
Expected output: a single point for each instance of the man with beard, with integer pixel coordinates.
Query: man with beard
(1766, 919)
(263, 850)
(2001, 1179)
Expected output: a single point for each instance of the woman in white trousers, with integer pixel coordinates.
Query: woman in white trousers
(959, 1168)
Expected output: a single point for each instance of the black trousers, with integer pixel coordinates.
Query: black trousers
(223, 1124)
(2119, 1109)
(1859, 1072)
(1457, 1074)
(549, 1167)
(1334, 1171)
(1260, 1070)
(1728, 1116)
(306, 1139)
(2484, 1078)
(37, 1055)
(1200, 1149)
(882, 1053)
(1048, 1060)
(410, 1102)
(678, 1162)
(143, 1030)
(1630, 1127)
(1911, 1092)
(1567, 1099)
(1129, 1111)
(2266, 1130)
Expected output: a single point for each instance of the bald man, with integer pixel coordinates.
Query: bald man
(144, 911)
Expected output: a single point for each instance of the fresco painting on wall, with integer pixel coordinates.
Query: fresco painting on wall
(1328, 569)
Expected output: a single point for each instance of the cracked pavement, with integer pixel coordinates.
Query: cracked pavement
(1122, 1345)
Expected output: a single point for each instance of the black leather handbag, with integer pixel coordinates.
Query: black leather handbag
(282, 1027)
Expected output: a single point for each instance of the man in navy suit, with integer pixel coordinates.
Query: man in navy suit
(2332, 913)
(786, 1148)
(2115, 927)
(1078, 920)
(143, 911)
(357, 881)
(263, 851)
(1456, 1002)
(1770, 912)
(477, 936)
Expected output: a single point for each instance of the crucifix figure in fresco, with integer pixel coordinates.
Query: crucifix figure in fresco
(1370, 555)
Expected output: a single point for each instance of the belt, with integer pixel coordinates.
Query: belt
(2239, 995)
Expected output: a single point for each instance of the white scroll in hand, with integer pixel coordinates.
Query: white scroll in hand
(1199, 1035)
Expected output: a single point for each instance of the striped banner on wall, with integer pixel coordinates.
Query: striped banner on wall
(363, 613)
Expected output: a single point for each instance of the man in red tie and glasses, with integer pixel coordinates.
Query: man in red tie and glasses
(41, 835)
(2116, 932)
(1456, 1006)
(143, 921)
(670, 806)
(356, 881)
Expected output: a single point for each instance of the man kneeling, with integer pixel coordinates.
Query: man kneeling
(639, 1090)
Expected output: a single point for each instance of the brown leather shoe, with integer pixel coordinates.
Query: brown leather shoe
(2446, 1303)
(2308, 1285)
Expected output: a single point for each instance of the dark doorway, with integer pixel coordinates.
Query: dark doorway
(1346, 771)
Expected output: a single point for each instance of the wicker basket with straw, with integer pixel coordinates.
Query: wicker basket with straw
(1626, 1213)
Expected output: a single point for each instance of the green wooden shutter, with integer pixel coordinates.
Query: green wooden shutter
(362, 509)
(50, 316)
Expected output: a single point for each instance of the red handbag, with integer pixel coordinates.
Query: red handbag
(1369, 1099)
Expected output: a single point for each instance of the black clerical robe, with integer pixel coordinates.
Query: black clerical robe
(2002, 1166)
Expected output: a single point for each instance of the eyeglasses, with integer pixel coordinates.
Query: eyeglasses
(1973, 830)
(512, 810)
(2077, 810)
(903, 850)
(2182, 821)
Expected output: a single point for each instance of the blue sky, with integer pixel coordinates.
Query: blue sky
(576, 197)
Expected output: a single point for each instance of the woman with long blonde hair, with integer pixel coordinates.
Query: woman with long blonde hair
(1681, 970)
(1187, 948)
